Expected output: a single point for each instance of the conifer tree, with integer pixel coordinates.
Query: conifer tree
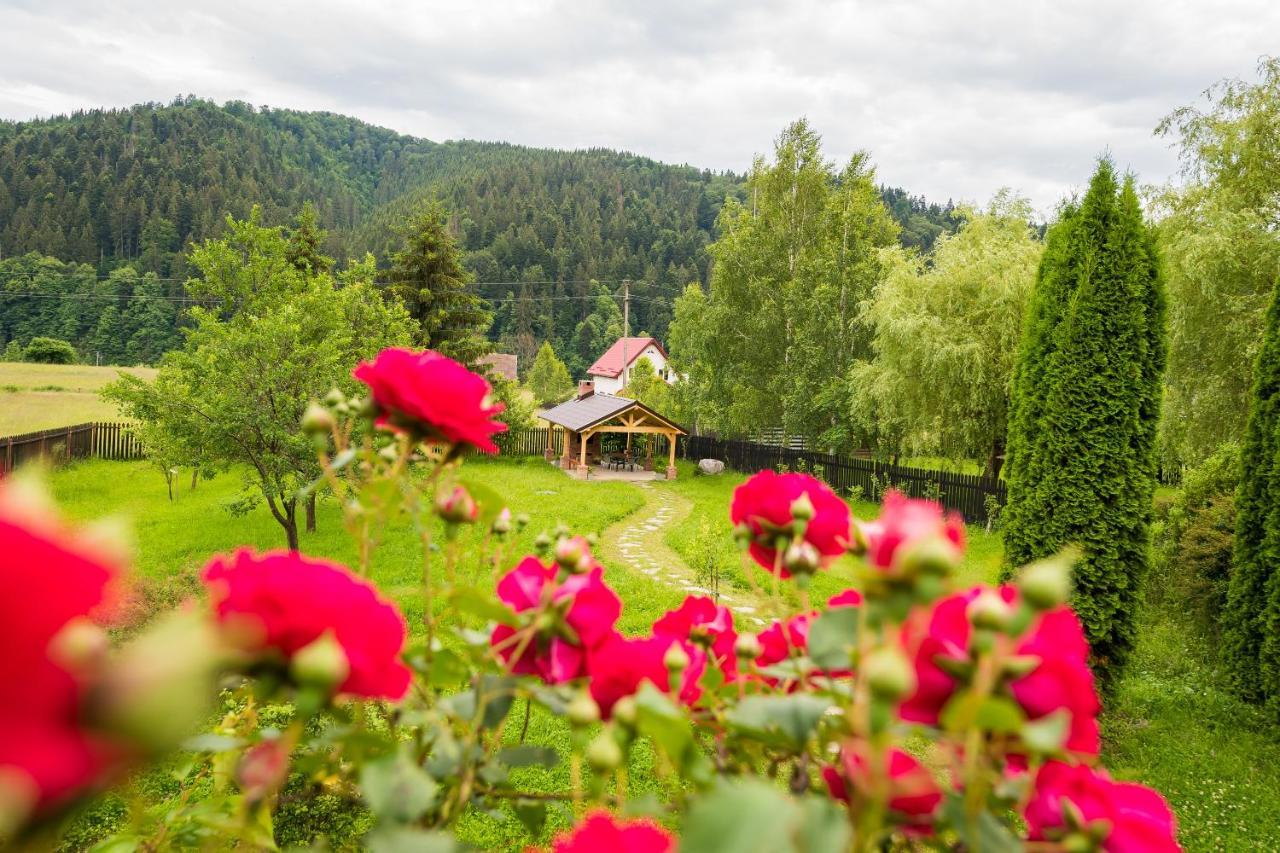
(1251, 617)
(1085, 409)
(428, 276)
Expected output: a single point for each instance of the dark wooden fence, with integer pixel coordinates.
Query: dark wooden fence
(81, 441)
(965, 493)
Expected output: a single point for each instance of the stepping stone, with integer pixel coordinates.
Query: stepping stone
(743, 608)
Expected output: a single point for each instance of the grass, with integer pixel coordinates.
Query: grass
(1172, 724)
(43, 396)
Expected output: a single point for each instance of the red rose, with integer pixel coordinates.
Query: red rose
(778, 640)
(703, 622)
(619, 665)
(47, 583)
(601, 832)
(282, 602)
(764, 506)
(1139, 819)
(426, 393)
(905, 520)
(913, 792)
(1062, 680)
(552, 654)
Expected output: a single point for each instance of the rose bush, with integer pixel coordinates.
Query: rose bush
(904, 714)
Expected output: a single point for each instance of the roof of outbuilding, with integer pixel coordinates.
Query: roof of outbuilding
(610, 364)
(578, 415)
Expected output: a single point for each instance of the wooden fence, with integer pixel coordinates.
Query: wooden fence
(966, 493)
(81, 441)
(528, 442)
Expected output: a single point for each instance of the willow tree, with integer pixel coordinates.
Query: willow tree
(1251, 618)
(1085, 410)
(1220, 235)
(946, 328)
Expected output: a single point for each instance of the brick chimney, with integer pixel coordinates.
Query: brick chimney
(586, 387)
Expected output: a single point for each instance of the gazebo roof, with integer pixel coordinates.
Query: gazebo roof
(584, 413)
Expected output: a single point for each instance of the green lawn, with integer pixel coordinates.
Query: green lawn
(43, 396)
(1171, 725)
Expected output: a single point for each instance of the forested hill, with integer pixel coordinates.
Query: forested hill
(106, 187)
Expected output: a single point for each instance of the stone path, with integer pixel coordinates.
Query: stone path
(637, 542)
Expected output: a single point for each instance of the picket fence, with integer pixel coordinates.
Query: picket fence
(62, 444)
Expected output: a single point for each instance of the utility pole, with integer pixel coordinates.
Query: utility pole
(626, 326)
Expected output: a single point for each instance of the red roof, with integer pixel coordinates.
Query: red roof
(610, 364)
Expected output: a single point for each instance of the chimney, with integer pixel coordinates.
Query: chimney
(586, 387)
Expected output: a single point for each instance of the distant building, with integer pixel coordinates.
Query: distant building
(609, 374)
(501, 364)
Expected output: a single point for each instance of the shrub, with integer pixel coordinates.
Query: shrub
(49, 351)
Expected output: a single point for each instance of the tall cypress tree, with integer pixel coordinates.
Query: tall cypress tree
(1251, 618)
(1086, 403)
(427, 274)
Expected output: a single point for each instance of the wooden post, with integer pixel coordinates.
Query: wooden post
(582, 452)
(671, 456)
(550, 454)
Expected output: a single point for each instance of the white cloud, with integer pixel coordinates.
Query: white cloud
(953, 100)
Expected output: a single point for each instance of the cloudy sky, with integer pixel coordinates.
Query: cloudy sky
(952, 99)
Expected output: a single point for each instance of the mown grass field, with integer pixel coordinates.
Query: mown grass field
(43, 396)
(1171, 723)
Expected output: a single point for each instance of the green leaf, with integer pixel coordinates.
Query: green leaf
(476, 602)
(997, 714)
(824, 827)
(1047, 734)
(447, 669)
(782, 721)
(660, 720)
(747, 816)
(983, 832)
(405, 839)
(532, 813)
(832, 637)
(211, 742)
(528, 755)
(396, 789)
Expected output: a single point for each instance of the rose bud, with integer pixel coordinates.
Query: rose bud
(321, 663)
(1045, 584)
(583, 710)
(747, 647)
(81, 646)
(263, 769)
(929, 555)
(889, 674)
(802, 508)
(334, 398)
(989, 611)
(624, 711)
(542, 543)
(522, 521)
(570, 550)
(502, 524)
(317, 420)
(603, 753)
(676, 659)
(801, 558)
(457, 507)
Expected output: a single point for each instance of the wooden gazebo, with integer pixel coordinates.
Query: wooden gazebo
(585, 420)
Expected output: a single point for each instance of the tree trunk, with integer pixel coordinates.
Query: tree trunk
(311, 513)
(995, 460)
(291, 523)
(168, 481)
(195, 476)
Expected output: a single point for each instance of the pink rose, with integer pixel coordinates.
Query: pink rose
(280, 602)
(427, 394)
(552, 654)
(620, 665)
(704, 623)
(1139, 819)
(1062, 679)
(47, 583)
(913, 792)
(764, 504)
(601, 832)
(780, 638)
(904, 521)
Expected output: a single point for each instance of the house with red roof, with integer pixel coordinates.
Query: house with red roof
(610, 372)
